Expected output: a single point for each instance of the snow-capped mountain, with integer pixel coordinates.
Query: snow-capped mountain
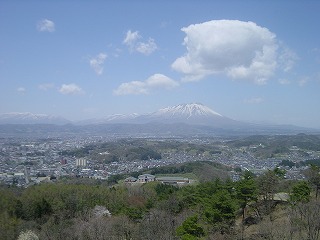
(31, 118)
(193, 113)
(186, 111)
(181, 120)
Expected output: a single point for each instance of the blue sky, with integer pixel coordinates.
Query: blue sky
(256, 61)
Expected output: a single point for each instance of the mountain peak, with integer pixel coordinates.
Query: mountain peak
(190, 113)
(189, 110)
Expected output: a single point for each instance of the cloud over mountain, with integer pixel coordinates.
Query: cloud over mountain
(240, 50)
(154, 82)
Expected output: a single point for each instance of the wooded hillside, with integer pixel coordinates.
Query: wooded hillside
(220, 209)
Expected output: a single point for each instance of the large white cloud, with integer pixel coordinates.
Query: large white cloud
(132, 40)
(241, 50)
(96, 63)
(156, 81)
(46, 25)
(70, 89)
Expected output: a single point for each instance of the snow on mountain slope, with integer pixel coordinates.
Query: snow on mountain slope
(114, 118)
(183, 119)
(193, 113)
(187, 111)
(30, 118)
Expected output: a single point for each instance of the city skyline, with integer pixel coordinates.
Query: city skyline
(249, 61)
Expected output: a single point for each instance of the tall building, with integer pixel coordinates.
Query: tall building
(81, 162)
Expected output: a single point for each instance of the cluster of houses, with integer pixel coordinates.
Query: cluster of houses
(144, 178)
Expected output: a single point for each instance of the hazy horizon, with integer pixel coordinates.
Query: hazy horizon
(249, 61)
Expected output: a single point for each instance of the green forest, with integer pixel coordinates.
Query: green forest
(255, 207)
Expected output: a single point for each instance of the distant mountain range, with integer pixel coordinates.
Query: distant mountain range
(31, 118)
(194, 114)
(183, 119)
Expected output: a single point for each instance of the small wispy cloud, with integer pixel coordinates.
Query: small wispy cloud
(317, 77)
(255, 100)
(284, 81)
(146, 48)
(96, 63)
(46, 25)
(303, 81)
(117, 52)
(287, 59)
(164, 24)
(131, 38)
(156, 81)
(70, 89)
(21, 90)
(132, 41)
(46, 86)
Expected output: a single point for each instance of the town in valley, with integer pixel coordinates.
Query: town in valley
(25, 162)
